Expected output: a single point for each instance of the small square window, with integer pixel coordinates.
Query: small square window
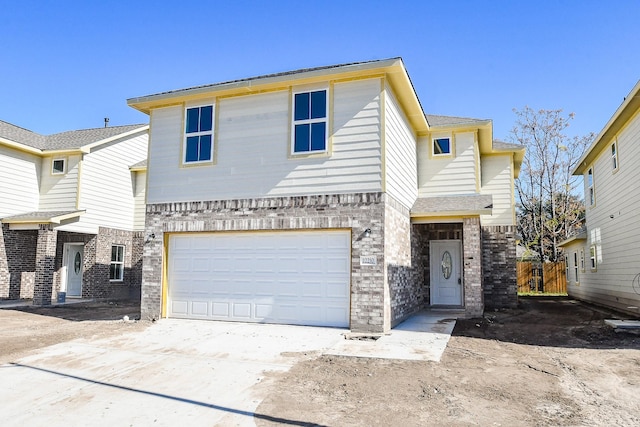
(441, 146)
(58, 166)
(198, 142)
(116, 268)
(309, 122)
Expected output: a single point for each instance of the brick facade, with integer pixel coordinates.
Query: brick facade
(23, 261)
(499, 266)
(17, 262)
(354, 212)
(406, 293)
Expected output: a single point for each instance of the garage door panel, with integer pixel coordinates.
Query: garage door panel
(275, 277)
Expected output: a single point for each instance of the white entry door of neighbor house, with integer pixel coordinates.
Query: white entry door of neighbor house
(446, 272)
(74, 254)
(291, 277)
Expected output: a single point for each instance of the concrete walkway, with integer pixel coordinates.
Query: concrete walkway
(180, 372)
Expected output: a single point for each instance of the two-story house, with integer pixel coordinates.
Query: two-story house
(603, 262)
(323, 196)
(72, 212)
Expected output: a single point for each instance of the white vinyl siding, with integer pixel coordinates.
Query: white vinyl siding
(497, 182)
(139, 200)
(613, 225)
(19, 173)
(253, 149)
(107, 185)
(448, 175)
(400, 156)
(59, 192)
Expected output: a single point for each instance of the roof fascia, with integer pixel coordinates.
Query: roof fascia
(20, 147)
(88, 147)
(392, 69)
(629, 107)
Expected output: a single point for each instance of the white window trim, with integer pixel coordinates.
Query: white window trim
(575, 267)
(582, 260)
(593, 258)
(119, 263)
(211, 132)
(615, 164)
(294, 122)
(433, 146)
(64, 165)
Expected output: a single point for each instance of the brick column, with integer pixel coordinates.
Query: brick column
(472, 259)
(45, 264)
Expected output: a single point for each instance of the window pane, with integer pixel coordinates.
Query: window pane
(191, 154)
(113, 271)
(206, 118)
(441, 146)
(318, 134)
(114, 253)
(319, 104)
(301, 106)
(58, 166)
(120, 256)
(192, 120)
(302, 142)
(205, 147)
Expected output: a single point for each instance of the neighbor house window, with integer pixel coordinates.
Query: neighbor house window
(566, 266)
(581, 259)
(309, 124)
(614, 156)
(58, 166)
(116, 268)
(575, 266)
(441, 146)
(591, 190)
(593, 257)
(198, 139)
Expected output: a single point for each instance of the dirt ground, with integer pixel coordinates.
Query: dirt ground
(26, 329)
(550, 362)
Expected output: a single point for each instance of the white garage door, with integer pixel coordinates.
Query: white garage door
(297, 278)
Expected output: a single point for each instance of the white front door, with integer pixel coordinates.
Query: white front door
(74, 261)
(446, 274)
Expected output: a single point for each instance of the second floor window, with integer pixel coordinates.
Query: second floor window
(591, 190)
(309, 132)
(441, 146)
(614, 156)
(198, 139)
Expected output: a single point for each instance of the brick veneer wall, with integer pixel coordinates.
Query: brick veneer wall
(499, 266)
(45, 265)
(354, 212)
(17, 262)
(406, 295)
(472, 265)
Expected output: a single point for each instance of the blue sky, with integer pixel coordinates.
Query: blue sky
(68, 64)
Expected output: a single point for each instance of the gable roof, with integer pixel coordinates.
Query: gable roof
(630, 105)
(84, 139)
(451, 121)
(392, 69)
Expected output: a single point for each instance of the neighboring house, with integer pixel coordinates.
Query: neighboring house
(604, 260)
(323, 196)
(72, 212)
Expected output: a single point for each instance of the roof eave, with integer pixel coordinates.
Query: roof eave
(88, 147)
(626, 111)
(18, 146)
(460, 213)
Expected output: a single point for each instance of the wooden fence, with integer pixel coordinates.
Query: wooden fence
(531, 275)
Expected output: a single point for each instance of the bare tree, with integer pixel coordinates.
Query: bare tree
(550, 207)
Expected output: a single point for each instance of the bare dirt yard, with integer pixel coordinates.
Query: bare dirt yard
(550, 362)
(25, 329)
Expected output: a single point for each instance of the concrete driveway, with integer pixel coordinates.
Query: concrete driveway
(181, 372)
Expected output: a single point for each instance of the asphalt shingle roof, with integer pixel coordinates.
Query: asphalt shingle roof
(456, 203)
(64, 140)
(501, 145)
(43, 216)
(435, 120)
